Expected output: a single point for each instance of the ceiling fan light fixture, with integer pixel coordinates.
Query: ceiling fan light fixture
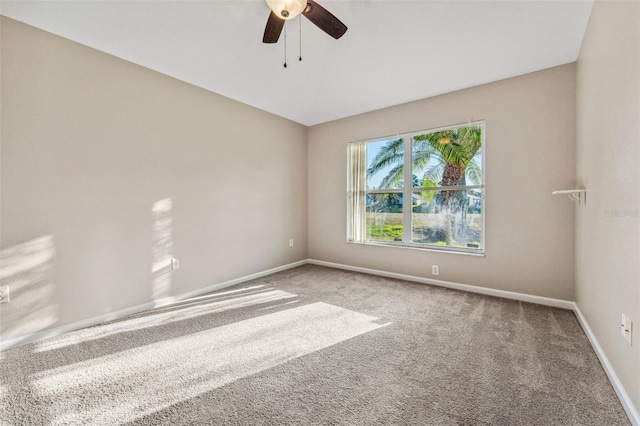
(287, 9)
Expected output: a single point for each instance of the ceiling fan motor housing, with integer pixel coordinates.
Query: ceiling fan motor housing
(287, 9)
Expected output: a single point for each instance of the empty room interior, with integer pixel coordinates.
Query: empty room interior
(342, 212)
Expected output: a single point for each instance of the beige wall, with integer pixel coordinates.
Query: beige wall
(608, 166)
(529, 152)
(89, 144)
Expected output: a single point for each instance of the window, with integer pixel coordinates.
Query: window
(423, 189)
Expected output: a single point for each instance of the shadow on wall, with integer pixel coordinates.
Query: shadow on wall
(162, 249)
(28, 270)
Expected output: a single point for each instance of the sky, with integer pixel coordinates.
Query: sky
(372, 151)
(373, 182)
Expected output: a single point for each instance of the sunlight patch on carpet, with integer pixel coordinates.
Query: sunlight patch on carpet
(221, 294)
(279, 306)
(158, 319)
(139, 381)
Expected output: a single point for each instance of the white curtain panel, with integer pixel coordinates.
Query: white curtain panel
(356, 192)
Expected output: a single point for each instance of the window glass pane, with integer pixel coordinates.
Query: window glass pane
(447, 218)
(385, 164)
(384, 217)
(448, 157)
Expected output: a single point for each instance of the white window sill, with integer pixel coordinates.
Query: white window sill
(448, 250)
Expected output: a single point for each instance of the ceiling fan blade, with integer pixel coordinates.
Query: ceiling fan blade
(324, 20)
(273, 29)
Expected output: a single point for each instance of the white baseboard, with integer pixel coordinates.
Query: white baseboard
(23, 340)
(632, 413)
(540, 300)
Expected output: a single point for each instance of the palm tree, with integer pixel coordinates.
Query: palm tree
(454, 152)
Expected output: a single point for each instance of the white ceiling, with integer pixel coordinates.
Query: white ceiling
(393, 52)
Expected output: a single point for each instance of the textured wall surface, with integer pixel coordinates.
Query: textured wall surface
(608, 159)
(110, 169)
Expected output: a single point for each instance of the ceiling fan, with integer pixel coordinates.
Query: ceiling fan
(282, 10)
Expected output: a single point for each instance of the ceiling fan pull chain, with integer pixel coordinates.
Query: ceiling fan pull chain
(285, 44)
(300, 20)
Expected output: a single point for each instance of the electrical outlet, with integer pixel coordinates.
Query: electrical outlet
(175, 263)
(626, 328)
(435, 270)
(4, 294)
(291, 242)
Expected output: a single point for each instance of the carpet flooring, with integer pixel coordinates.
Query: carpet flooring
(316, 346)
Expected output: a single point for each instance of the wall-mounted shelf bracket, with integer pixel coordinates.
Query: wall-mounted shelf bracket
(579, 195)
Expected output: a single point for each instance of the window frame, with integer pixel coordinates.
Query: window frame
(408, 190)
